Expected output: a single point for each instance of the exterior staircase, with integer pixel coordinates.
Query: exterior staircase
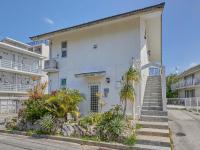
(154, 134)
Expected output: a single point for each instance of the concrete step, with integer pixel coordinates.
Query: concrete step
(158, 103)
(153, 97)
(149, 147)
(153, 113)
(156, 125)
(155, 86)
(153, 132)
(153, 140)
(151, 108)
(154, 118)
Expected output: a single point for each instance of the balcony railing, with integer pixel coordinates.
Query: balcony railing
(15, 87)
(186, 83)
(5, 63)
(51, 65)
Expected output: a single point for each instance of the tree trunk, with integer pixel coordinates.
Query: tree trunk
(125, 105)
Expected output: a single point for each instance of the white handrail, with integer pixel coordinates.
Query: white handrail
(186, 83)
(5, 63)
(15, 87)
(163, 85)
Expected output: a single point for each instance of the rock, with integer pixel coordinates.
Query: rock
(67, 130)
(91, 130)
(127, 132)
(73, 130)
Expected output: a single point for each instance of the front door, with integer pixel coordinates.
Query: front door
(94, 89)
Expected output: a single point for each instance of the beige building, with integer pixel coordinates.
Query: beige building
(188, 84)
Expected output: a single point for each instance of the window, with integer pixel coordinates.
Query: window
(189, 93)
(64, 49)
(63, 83)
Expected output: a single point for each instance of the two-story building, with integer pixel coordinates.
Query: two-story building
(92, 57)
(20, 69)
(188, 84)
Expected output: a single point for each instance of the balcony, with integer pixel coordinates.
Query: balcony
(186, 84)
(8, 64)
(15, 88)
(51, 65)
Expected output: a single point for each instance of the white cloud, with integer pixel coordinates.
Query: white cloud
(192, 64)
(48, 20)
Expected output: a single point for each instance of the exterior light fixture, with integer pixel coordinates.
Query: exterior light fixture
(108, 80)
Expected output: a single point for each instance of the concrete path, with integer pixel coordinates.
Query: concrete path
(185, 128)
(18, 142)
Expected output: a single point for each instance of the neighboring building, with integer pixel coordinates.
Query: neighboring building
(92, 57)
(188, 84)
(20, 69)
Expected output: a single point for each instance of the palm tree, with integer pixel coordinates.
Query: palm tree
(127, 92)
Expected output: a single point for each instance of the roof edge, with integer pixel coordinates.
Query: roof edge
(145, 9)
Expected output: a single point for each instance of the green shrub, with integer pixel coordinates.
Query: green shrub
(63, 102)
(91, 119)
(111, 125)
(138, 126)
(47, 123)
(34, 110)
(130, 140)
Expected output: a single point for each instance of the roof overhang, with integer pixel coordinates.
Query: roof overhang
(91, 74)
(20, 50)
(142, 11)
(189, 71)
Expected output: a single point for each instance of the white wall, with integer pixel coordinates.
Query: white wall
(117, 44)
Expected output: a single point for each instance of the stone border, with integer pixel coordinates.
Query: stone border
(74, 140)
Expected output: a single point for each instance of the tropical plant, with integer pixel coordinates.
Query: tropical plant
(38, 92)
(91, 119)
(171, 79)
(63, 102)
(101, 101)
(111, 124)
(34, 109)
(127, 92)
(47, 123)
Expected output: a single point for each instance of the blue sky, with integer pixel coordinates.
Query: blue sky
(21, 19)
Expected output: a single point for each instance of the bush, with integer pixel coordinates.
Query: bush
(91, 119)
(34, 110)
(47, 123)
(111, 125)
(130, 140)
(63, 102)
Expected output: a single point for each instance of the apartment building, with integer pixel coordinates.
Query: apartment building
(92, 57)
(188, 84)
(20, 69)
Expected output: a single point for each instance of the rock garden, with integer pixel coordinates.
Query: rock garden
(58, 114)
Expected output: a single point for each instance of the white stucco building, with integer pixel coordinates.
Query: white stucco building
(188, 84)
(93, 56)
(20, 69)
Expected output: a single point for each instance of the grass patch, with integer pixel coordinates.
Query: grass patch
(91, 138)
(130, 140)
(138, 126)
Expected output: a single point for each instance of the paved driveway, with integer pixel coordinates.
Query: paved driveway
(18, 142)
(185, 128)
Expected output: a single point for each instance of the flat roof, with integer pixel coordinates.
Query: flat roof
(127, 14)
